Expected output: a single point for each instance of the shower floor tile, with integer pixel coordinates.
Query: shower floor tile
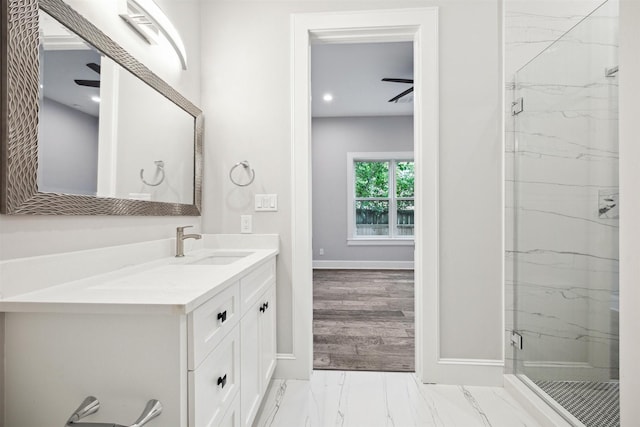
(595, 404)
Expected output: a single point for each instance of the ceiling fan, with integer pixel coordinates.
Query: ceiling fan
(401, 94)
(90, 83)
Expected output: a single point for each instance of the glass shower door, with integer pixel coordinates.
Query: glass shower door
(566, 221)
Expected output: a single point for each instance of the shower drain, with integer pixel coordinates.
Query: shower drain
(594, 404)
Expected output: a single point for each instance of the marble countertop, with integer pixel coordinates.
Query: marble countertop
(165, 286)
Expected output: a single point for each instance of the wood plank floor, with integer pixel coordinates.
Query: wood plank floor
(363, 320)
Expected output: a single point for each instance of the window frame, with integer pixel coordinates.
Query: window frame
(393, 158)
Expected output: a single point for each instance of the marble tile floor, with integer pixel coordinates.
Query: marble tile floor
(386, 399)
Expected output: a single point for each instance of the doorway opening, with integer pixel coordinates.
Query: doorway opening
(363, 206)
(419, 26)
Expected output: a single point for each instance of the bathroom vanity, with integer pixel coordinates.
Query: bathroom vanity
(196, 333)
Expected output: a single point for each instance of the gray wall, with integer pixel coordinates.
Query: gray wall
(67, 150)
(332, 139)
(246, 92)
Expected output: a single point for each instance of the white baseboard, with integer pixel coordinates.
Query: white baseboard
(289, 367)
(465, 372)
(364, 265)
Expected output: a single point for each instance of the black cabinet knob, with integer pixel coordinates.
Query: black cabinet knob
(266, 305)
(222, 381)
(222, 317)
(262, 309)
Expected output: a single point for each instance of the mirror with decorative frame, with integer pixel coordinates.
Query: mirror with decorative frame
(87, 129)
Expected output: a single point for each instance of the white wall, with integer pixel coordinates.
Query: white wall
(532, 25)
(246, 95)
(332, 139)
(22, 236)
(630, 212)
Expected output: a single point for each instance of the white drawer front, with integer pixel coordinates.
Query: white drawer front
(214, 384)
(254, 284)
(209, 323)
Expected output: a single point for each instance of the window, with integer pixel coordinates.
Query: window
(381, 197)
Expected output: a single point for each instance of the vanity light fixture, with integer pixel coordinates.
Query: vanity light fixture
(149, 21)
(327, 97)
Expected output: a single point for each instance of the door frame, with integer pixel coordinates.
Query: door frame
(419, 25)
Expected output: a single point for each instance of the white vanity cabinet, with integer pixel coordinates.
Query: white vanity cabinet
(214, 358)
(244, 359)
(258, 356)
(209, 365)
(257, 340)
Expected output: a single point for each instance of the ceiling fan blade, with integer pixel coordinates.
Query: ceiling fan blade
(400, 95)
(386, 79)
(88, 83)
(95, 67)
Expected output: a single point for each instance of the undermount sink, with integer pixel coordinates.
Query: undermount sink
(222, 258)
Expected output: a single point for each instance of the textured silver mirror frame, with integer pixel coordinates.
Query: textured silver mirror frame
(19, 122)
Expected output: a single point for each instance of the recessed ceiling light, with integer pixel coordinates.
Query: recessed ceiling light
(327, 97)
(95, 98)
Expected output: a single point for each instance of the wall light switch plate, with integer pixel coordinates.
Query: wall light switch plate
(266, 203)
(245, 224)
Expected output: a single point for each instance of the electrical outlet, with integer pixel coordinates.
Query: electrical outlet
(245, 224)
(321, 251)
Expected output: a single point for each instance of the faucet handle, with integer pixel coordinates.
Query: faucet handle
(152, 410)
(181, 229)
(89, 406)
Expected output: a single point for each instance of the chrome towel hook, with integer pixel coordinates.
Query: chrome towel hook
(246, 166)
(160, 169)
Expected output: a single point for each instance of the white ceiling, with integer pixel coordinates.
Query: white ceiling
(64, 59)
(352, 73)
(61, 68)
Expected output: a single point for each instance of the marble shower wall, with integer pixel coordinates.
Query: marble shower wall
(559, 249)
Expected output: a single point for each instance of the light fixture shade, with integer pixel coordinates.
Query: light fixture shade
(148, 19)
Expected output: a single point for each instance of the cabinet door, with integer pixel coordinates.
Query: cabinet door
(250, 384)
(268, 338)
(213, 386)
(232, 417)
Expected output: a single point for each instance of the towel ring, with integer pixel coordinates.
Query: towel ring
(244, 164)
(160, 167)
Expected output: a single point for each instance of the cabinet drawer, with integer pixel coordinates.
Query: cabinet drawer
(255, 283)
(214, 385)
(209, 323)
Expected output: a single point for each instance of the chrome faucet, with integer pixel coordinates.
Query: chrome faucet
(181, 237)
